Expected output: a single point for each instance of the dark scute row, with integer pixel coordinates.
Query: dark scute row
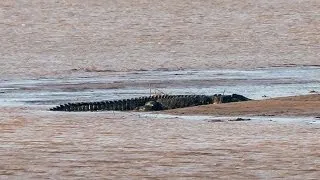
(185, 101)
(167, 101)
(117, 105)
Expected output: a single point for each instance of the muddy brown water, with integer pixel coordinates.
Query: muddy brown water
(37, 145)
(81, 44)
(47, 38)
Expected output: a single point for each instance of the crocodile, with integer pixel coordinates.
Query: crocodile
(151, 103)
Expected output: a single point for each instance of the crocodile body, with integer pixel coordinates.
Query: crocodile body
(151, 103)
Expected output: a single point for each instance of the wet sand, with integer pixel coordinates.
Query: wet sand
(75, 39)
(307, 105)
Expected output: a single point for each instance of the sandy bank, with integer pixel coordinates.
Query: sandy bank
(307, 105)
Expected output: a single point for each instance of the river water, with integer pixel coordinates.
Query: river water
(255, 84)
(54, 52)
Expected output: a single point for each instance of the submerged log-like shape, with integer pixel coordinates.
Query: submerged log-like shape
(151, 103)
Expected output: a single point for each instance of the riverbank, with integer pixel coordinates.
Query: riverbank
(305, 105)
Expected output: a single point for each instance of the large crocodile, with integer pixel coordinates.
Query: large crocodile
(151, 103)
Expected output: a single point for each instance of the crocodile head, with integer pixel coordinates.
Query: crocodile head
(218, 98)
